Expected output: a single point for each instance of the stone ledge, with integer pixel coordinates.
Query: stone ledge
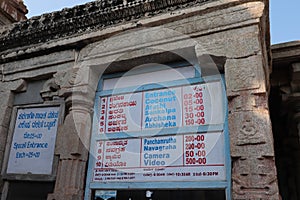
(84, 18)
(168, 20)
(286, 50)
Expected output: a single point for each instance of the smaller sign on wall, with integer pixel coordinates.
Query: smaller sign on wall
(106, 194)
(33, 143)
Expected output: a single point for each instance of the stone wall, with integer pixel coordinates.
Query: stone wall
(72, 60)
(12, 11)
(284, 106)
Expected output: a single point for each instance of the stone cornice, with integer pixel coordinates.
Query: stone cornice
(84, 18)
(14, 9)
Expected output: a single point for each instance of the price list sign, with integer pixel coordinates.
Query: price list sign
(191, 157)
(192, 105)
(203, 149)
(162, 109)
(202, 104)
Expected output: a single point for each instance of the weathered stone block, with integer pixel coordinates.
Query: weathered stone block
(72, 77)
(34, 63)
(70, 139)
(254, 178)
(5, 114)
(245, 74)
(233, 43)
(248, 102)
(70, 180)
(6, 99)
(3, 138)
(250, 134)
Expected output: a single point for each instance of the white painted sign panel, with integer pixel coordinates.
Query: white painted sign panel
(121, 113)
(202, 104)
(33, 142)
(192, 105)
(190, 157)
(161, 109)
(149, 77)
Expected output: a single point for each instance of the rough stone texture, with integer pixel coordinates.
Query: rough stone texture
(34, 63)
(245, 74)
(69, 139)
(232, 43)
(213, 21)
(3, 135)
(251, 139)
(230, 29)
(12, 11)
(252, 151)
(250, 134)
(254, 178)
(73, 137)
(38, 66)
(6, 104)
(15, 86)
(289, 51)
(248, 102)
(228, 39)
(5, 111)
(84, 18)
(210, 10)
(70, 180)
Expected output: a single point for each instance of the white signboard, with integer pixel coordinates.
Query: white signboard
(162, 109)
(191, 157)
(33, 142)
(192, 105)
(120, 113)
(105, 194)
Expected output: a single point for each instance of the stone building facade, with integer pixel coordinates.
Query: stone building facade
(284, 114)
(59, 58)
(12, 11)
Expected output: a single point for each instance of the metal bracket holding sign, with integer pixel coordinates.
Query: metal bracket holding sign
(32, 137)
(175, 136)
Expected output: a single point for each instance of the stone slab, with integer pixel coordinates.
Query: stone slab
(245, 74)
(250, 134)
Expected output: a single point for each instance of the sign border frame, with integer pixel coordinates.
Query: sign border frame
(29, 176)
(226, 185)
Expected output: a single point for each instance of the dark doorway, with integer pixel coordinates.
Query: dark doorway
(284, 104)
(23, 190)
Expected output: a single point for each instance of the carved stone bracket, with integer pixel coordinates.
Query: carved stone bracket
(74, 134)
(50, 90)
(254, 178)
(251, 134)
(251, 138)
(246, 101)
(245, 75)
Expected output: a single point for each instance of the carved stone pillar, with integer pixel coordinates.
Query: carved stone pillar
(251, 139)
(74, 134)
(7, 90)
